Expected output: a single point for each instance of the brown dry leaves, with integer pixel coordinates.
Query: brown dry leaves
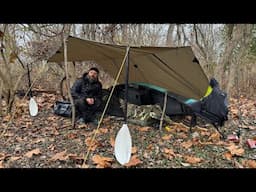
(169, 153)
(133, 161)
(235, 150)
(33, 152)
(92, 144)
(144, 129)
(192, 159)
(62, 156)
(102, 162)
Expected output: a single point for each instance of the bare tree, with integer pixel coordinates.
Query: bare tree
(237, 40)
(9, 52)
(169, 39)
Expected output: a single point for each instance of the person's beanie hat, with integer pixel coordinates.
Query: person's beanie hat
(94, 69)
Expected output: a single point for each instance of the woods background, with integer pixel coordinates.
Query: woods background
(225, 51)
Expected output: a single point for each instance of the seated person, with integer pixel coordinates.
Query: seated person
(87, 95)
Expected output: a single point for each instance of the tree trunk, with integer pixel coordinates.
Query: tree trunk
(1, 91)
(169, 38)
(242, 35)
(221, 68)
(124, 33)
(140, 36)
(93, 32)
(178, 35)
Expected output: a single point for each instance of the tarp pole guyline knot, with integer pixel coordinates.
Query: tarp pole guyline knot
(106, 106)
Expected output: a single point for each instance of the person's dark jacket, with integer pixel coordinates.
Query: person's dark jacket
(83, 89)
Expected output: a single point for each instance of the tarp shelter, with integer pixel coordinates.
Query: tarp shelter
(173, 68)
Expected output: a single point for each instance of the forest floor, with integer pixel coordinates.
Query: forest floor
(49, 141)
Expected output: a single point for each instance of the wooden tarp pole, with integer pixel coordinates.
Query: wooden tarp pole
(164, 109)
(68, 82)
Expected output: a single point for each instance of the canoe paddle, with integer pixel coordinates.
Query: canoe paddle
(123, 145)
(123, 142)
(33, 108)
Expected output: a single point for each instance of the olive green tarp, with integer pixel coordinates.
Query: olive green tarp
(173, 68)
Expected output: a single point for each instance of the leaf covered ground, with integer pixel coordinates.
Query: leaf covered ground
(49, 141)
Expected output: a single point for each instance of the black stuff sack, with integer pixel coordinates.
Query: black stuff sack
(62, 108)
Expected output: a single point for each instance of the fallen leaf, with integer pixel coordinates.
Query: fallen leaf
(252, 127)
(235, 150)
(85, 166)
(146, 155)
(72, 136)
(91, 144)
(8, 134)
(182, 135)
(51, 147)
(19, 139)
(167, 137)
(101, 161)
(33, 152)
(15, 158)
(167, 128)
(169, 151)
(228, 155)
(133, 161)
(112, 141)
(28, 125)
(39, 140)
(234, 112)
(215, 137)
(249, 163)
(187, 144)
(134, 150)
(180, 127)
(62, 156)
(52, 118)
(1, 164)
(237, 164)
(81, 126)
(185, 164)
(103, 130)
(150, 147)
(56, 132)
(201, 129)
(2, 156)
(192, 160)
(6, 118)
(144, 129)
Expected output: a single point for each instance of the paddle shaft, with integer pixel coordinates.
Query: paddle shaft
(126, 85)
(29, 82)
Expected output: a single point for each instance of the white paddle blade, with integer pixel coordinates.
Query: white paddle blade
(33, 108)
(123, 145)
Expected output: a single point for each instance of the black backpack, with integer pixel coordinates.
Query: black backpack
(62, 108)
(216, 103)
